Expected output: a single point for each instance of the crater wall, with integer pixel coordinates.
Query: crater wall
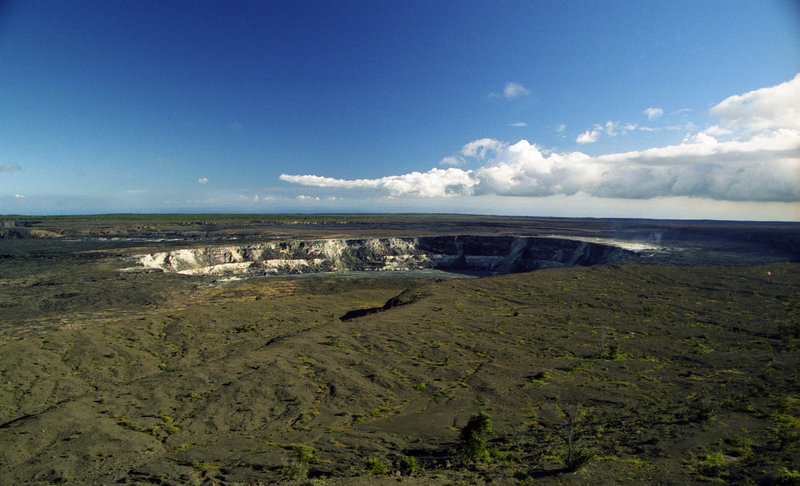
(460, 253)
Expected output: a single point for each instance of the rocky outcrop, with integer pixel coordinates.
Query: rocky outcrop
(461, 253)
(408, 296)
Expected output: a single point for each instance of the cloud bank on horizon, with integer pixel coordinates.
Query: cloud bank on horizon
(753, 154)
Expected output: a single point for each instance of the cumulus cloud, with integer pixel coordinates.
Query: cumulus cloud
(203, 180)
(754, 157)
(653, 113)
(589, 136)
(9, 167)
(518, 124)
(19, 196)
(763, 109)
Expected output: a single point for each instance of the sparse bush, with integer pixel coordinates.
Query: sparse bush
(787, 477)
(613, 352)
(298, 466)
(784, 403)
(406, 465)
(303, 453)
(577, 457)
(472, 444)
(788, 437)
(539, 378)
(712, 465)
(374, 467)
(741, 446)
(294, 470)
(705, 408)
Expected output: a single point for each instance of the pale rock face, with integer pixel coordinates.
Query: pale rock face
(459, 253)
(220, 269)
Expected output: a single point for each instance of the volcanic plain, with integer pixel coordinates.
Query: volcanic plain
(410, 349)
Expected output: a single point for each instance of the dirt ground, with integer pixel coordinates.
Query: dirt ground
(637, 374)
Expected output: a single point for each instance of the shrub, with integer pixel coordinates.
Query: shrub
(539, 378)
(788, 477)
(303, 453)
(578, 457)
(711, 466)
(472, 444)
(613, 352)
(705, 408)
(374, 467)
(298, 467)
(406, 465)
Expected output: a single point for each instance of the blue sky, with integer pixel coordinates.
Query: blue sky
(607, 109)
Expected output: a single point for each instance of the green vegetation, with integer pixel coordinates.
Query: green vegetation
(473, 437)
(374, 467)
(301, 457)
(540, 377)
(787, 477)
(711, 467)
(406, 465)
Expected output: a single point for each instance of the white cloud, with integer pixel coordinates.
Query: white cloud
(19, 196)
(761, 165)
(434, 183)
(560, 128)
(717, 131)
(256, 198)
(514, 90)
(303, 197)
(451, 160)
(588, 136)
(653, 113)
(611, 128)
(763, 109)
(481, 148)
(203, 180)
(9, 167)
(518, 124)
(759, 169)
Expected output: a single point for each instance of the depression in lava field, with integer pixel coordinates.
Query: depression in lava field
(341, 349)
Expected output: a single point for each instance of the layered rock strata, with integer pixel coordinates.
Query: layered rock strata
(462, 253)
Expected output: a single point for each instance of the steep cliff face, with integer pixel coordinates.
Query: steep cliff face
(503, 254)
